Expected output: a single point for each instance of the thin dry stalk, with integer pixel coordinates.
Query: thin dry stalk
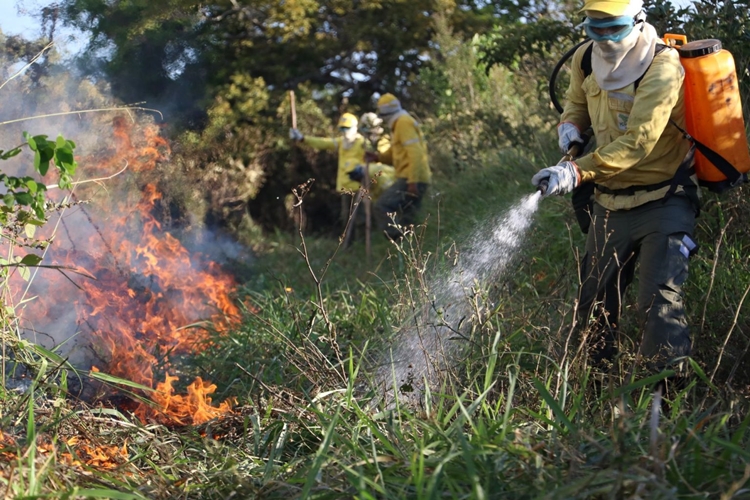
(713, 272)
(729, 333)
(299, 193)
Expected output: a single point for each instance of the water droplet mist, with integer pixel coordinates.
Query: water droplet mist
(428, 341)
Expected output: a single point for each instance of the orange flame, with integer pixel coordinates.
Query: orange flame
(84, 452)
(195, 407)
(149, 288)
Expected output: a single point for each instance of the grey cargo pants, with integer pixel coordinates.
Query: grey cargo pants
(396, 199)
(658, 235)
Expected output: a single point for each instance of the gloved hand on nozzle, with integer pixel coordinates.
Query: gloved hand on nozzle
(357, 174)
(567, 135)
(559, 179)
(296, 135)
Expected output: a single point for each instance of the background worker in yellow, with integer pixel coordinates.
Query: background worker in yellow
(408, 155)
(381, 176)
(646, 195)
(351, 152)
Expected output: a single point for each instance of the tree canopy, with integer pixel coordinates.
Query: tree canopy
(185, 49)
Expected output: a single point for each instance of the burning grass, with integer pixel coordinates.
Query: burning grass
(507, 419)
(141, 298)
(507, 422)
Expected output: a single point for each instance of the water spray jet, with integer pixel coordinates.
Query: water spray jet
(431, 341)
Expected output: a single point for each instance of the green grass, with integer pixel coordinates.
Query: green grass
(516, 414)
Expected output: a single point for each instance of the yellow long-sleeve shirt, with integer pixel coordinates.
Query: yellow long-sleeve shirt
(635, 144)
(408, 151)
(381, 176)
(349, 157)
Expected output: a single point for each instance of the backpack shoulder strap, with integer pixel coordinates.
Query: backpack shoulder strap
(659, 49)
(586, 61)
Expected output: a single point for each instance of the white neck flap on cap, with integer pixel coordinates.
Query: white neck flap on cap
(349, 137)
(618, 64)
(391, 119)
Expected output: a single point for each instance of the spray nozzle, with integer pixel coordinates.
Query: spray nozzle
(543, 185)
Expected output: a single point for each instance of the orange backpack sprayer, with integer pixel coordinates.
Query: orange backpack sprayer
(713, 110)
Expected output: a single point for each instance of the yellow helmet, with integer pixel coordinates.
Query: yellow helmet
(347, 120)
(613, 8)
(388, 104)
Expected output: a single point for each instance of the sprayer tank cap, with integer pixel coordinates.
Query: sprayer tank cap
(700, 48)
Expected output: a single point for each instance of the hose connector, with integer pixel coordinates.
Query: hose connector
(542, 187)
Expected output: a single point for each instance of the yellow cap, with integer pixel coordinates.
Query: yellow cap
(388, 104)
(612, 7)
(347, 120)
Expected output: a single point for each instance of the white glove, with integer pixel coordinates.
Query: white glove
(296, 135)
(560, 179)
(567, 134)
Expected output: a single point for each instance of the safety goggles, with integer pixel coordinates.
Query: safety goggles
(624, 23)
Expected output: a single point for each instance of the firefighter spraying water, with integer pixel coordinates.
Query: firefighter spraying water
(650, 106)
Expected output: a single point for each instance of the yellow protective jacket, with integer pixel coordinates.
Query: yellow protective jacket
(635, 144)
(384, 144)
(408, 151)
(349, 158)
(381, 176)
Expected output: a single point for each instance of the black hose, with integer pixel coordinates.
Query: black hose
(556, 70)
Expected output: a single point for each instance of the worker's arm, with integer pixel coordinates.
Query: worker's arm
(576, 109)
(321, 142)
(385, 156)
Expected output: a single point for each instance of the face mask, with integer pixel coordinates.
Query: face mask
(349, 133)
(625, 23)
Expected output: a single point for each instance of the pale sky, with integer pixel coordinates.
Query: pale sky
(15, 19)
(13, 23)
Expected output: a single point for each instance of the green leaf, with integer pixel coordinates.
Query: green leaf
(60, 142)
(24, 198)
(648, 381)
(104, 493)
(24, 272)
(31, 259)
(65, 181)
(702, 375)
(9, 199)
(52, 356)
(32, 185)
(10, 154)
(39, 209)
(64, 159)
(29, 230)
(47, 153)
(104, 377)
(554, 405)
(30, 140)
